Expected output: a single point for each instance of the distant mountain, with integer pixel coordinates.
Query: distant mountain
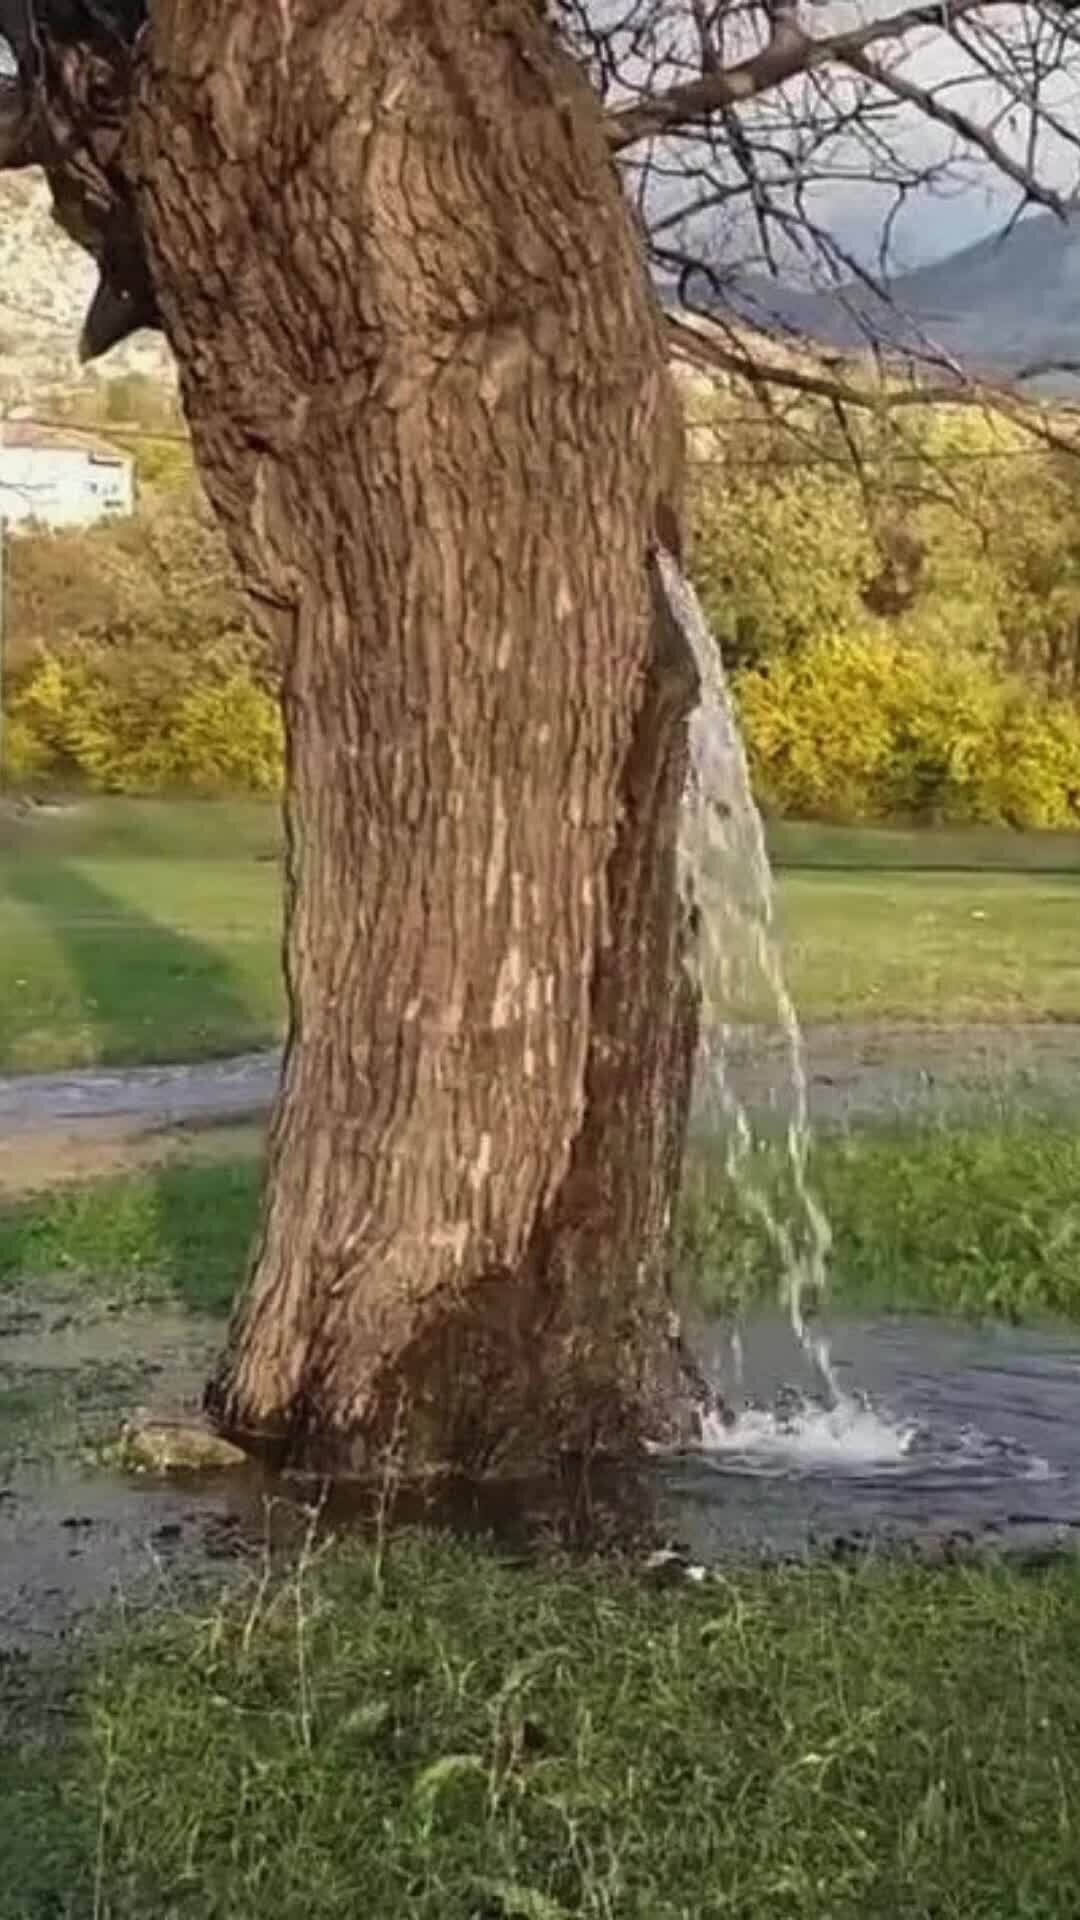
(1006, 303)
(1000, 305)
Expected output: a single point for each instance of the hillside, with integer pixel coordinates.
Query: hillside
(1008, 302)
(46, 283)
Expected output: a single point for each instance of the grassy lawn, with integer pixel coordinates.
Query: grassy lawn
(801, 844)
(148, 930)
(138, 931)
(891, 945)
(173, 1234)
(942, 926)
(424, 1733)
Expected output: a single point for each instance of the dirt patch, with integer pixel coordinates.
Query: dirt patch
(30, 1162)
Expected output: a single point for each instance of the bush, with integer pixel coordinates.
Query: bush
(26, 760)
(139, 722)
(164, 575)
(779, 560)
(230, 734)
(871, 727)
(134, 667)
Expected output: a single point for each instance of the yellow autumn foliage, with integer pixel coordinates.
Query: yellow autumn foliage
(871, 727)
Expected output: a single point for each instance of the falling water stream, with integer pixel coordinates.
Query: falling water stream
(869, 1436)
(724, 869)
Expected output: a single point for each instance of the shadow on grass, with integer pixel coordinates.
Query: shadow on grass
(44, 1847)
(142, 986)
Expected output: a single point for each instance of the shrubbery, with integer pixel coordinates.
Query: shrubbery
(876, 727)
(898, 601)
(129, 726)
(896, 596)
(134, 667)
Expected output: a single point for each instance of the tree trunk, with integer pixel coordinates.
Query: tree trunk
(429, 399)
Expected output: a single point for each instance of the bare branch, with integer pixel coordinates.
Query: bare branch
(934, 108)
(715, 351)
(788, 52)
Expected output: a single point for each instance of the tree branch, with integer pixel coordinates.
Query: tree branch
(965, 128)
(788, 52)
(704, 346)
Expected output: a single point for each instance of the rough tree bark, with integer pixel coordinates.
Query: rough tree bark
(429, 398)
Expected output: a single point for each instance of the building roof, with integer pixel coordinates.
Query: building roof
(31, 433)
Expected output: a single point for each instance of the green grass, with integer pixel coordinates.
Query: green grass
(177, 1234)
(922, 925)
(427, 1734)
(885, 945)
(149, 930)
(97, 826)
(981, 1219)
(138, 931)
(806, 845)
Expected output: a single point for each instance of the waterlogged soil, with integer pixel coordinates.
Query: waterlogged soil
(941, 1436)
(83, 1541)
(74, 1535)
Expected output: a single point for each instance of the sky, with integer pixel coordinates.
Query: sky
(977, 200)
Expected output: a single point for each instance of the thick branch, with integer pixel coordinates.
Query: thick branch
(715, 355)
(789, 52)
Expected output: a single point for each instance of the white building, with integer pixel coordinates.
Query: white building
(61, 477)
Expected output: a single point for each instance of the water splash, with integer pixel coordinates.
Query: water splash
(724, 868)
(848, 1437)
(854, 1438)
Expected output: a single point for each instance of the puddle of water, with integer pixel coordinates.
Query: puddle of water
(77, 1538)
(940, 1430)
(73, 1536)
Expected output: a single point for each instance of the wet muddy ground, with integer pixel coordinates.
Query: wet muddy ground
(86, 1543)
(945, 1439)
(75, 1536)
